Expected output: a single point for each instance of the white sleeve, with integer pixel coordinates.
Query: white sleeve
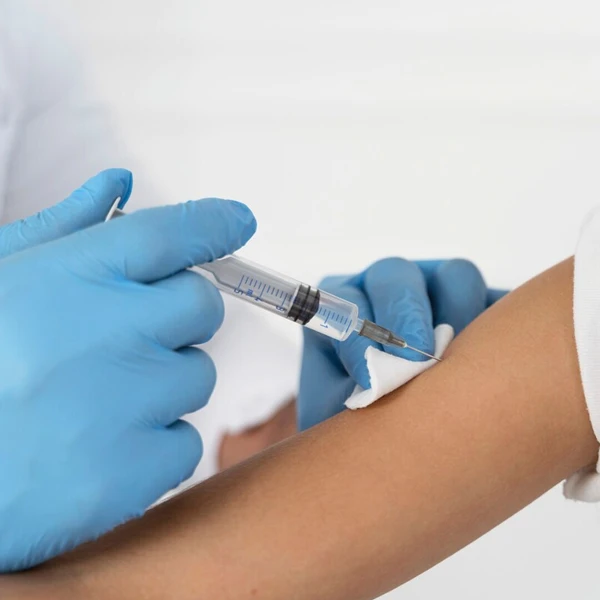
(585, 485)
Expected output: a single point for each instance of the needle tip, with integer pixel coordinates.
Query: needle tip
(424, 353)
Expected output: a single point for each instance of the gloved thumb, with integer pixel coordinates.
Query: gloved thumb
(86, 206)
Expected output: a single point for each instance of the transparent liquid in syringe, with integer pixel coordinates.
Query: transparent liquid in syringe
(283, 295)
(335, 317)
(252, 283)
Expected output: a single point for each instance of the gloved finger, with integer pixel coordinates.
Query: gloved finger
(186, 309)
(429, 269)
(84, 207)
(155, 243)
(183, 444)
(324, 382)
(397, 293)
(173, 454)
(457, 292)
(187, 380)
(352, 351)
(494, 295)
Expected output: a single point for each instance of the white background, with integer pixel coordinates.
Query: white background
(358, 130)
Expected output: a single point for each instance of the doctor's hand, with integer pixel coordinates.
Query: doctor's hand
(409, 299)
(86, 206)
(96, 370)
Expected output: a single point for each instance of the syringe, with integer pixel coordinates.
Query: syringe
(299, 302)
(296, 301)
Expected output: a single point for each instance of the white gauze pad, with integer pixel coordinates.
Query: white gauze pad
(388, 372)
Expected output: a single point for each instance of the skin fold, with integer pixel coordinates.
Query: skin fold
(368, 499)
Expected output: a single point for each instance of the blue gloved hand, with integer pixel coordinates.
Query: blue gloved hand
(408, 298)
(86, 206)
(96, 370)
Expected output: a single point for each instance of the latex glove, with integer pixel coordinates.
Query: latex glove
(96, 370)
(86, 206)
(408, 298)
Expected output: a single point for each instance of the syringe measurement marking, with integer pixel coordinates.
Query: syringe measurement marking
(238, 289)
(284, 300)
(346, 330)
(263, 289)
(332, 317)
(274, 292)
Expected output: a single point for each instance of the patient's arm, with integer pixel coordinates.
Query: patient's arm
(369, 499)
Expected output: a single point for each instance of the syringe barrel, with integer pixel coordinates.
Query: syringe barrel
(335, 317)
(283, 295)
(329, 315)
(253, 283)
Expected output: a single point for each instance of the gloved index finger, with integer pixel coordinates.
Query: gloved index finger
(457, 291)
(155, 243)
(493, 295)
(397, 292)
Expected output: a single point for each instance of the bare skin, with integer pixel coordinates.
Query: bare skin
(369, 499)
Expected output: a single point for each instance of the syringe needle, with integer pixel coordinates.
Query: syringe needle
(398, 341)
(385, 336)
(423, 353)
